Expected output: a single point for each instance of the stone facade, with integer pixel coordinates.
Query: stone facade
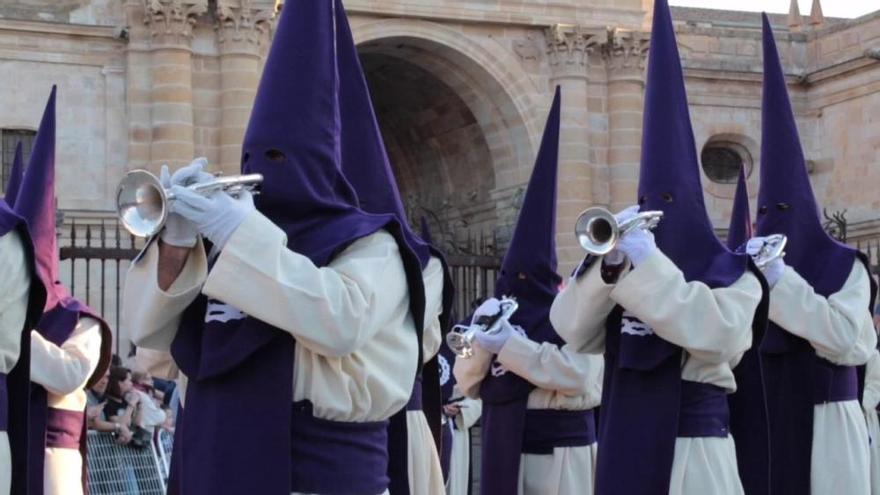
(461, 87)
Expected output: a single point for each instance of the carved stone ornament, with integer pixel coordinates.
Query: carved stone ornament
(244, 22)
(627, 49)
(173, 20)
(572, 45)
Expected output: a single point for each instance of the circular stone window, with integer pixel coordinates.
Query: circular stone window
(722, 161)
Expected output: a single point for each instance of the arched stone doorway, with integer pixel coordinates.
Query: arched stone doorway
(456, 137)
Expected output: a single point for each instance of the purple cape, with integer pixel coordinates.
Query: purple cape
(637, 430)
(242, 369)
(18, 382)
(786, 205)
(528, 273)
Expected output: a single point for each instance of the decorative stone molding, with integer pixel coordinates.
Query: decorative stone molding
(172, 21)
(568, 44)
(244, 24)
(627, 51)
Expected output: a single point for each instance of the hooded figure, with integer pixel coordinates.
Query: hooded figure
(748, 406)
(414, 465)
(70, 345)
(820, 313)
(538, 429)
(674, 326)
(22, 298)
(305, 325)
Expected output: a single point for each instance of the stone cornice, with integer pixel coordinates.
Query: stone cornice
(105, 33)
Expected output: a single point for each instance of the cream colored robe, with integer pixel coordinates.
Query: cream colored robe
(15, 283)
(840, 330)
(423, 460)
(870, 400)
(63, 371)
(714, 326)
(460, 459)
(565, 379)
(353, 345)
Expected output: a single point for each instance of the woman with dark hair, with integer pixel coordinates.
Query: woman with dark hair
(122, 406)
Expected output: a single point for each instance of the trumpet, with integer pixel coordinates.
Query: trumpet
(142, 203)
(461, 338)
(772, 249)
(598, 232)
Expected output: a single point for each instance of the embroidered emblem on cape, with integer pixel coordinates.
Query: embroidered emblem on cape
(631, 325)
(444, 369)
(497, 368)
(222, 312)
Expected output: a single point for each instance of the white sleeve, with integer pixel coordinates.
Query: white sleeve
(15, 283)
(838, 327)
(713, 325)
(151, 314)
(432, 336)
(348, 300)
(579, 311)
(871, 396)
(547, 366)
(471, 410)
(66, 369)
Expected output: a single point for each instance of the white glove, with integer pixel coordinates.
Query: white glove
(616, 257)
(179, 231)
(772, 271)
(638, 244)
(216, 216)
(490, 307)
(495, 341)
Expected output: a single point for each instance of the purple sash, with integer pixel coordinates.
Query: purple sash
(703, 411)
(335, 457)
(4, 403)
(415, 398)
(64, 428)
(833, 383)
(547, 429)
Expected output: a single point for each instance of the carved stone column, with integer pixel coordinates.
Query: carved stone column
(242, 28)
(625, 56)
(170, 24)
(569, 49)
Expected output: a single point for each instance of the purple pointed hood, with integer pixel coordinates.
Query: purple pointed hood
(365, 161)
(740, 230)
(785, 199)
(36, 203)
(528, 271)
(669, 180)
(15, 177)
(294, 138)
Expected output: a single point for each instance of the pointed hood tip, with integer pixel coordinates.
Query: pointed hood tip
(16, 175)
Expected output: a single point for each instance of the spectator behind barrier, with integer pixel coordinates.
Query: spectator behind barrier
(97, 419)
(122, 406)
(149, 402)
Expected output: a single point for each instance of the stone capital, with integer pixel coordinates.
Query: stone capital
(243, 25)
(570, 45)
(171, 21)
(626, 52)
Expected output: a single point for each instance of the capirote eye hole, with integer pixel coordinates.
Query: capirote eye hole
(246, 157)
(667, 197)
(275, 155)
(762, 210)
(782, 206)
(642, 200)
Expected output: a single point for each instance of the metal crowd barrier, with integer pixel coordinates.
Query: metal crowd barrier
(122, 470)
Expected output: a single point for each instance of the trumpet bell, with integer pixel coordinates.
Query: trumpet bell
(141, 203)
(458, 341)
(597, 231)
